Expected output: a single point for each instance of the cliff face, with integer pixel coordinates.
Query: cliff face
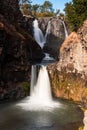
(74, 50)
(17, 49)
(53, 30)
(10, 10)
(69, 75)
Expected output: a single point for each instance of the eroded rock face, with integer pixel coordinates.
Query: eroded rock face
(43, 22)
(18, 49)
(73, 51)
(10, 10)
(53, 30)
(69, 75)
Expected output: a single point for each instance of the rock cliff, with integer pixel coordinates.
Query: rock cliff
(10, 10)
(74, 50)
(69, 75)
(53, 30)
(17, 48)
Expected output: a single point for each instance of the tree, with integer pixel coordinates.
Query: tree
(26, 9)
(47, 7)
(26, 1)
(35, 8)
(25, 6)
(76, 13)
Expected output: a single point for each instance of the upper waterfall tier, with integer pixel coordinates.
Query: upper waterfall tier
(38, 35)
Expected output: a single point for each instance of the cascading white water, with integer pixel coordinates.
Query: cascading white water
(33, 78)
(66, 33)
(48, 29)
(42, 90)
(38, 35)
(48, 58)
(40, 97)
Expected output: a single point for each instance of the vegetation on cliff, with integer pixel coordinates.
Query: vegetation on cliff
(76, 13)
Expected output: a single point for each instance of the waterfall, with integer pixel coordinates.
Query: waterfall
(40, 98)
(42, 90)
(48, 29)
(48, 58)
(33, 78)
(66, 33)
(38, 35)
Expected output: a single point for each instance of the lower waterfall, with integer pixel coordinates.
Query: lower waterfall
(42, 91)
(40, 95)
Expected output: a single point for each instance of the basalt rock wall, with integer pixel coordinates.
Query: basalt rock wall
(18, 50)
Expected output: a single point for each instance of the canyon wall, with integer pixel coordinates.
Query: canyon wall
(18, 50)
(69, 75)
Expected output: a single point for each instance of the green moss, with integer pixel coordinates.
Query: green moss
(26, 86)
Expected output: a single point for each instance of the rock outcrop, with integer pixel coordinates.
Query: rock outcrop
(10, 10)
(74, 50)
(69, 75)
(18, 49)
(53, 30)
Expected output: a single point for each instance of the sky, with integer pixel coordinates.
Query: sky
(57, 4)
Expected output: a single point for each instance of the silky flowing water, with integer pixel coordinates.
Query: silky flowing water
(38, 35)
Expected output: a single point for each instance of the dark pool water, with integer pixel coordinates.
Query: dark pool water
(67, 117)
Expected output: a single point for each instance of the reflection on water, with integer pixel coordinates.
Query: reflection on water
(13, 117)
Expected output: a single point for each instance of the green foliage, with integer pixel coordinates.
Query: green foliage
(26, 86)
(47, 7)
(44, 14)
(76, 13)
(44, 10)
(26, 9)
(35, 8)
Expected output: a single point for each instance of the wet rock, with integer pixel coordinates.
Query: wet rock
(53, 30)
(69, 75)
(14, 90)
